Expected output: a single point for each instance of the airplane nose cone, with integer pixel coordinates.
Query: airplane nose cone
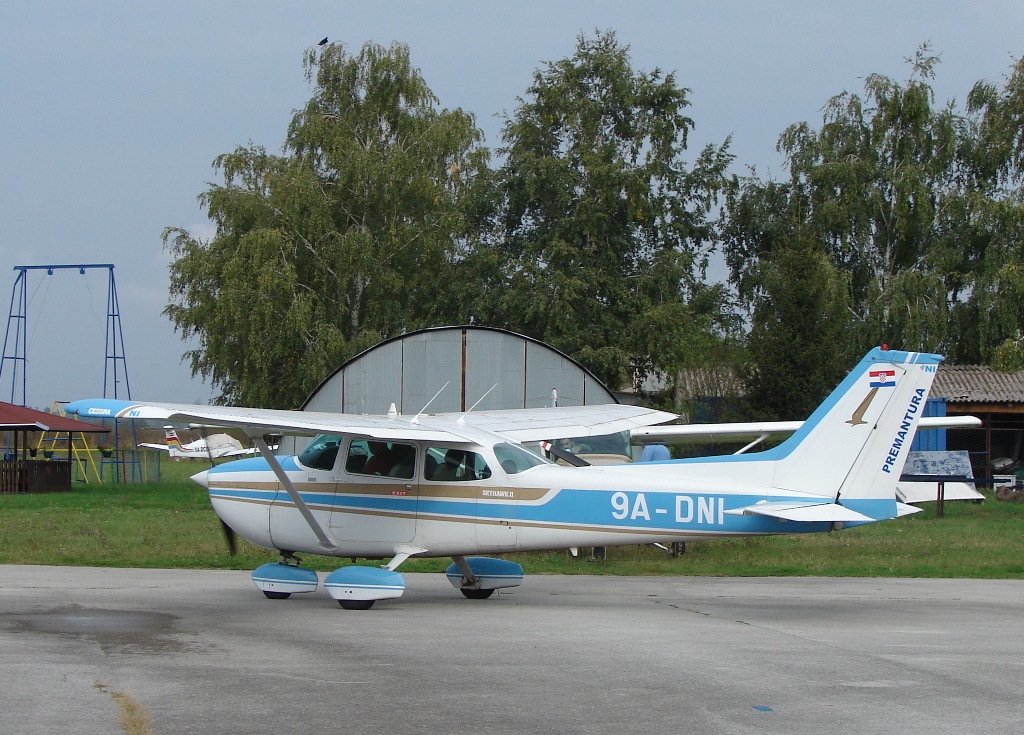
(202, 478)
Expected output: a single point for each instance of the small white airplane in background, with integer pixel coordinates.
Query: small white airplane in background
(214, 446)
(393, 487)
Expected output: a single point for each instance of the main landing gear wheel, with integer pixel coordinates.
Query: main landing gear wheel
(356, 604)
(477, 594)
(277, 595)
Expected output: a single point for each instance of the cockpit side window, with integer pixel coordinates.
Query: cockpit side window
(381, 459)
(515, 459)
(321, 453)
(448, 464)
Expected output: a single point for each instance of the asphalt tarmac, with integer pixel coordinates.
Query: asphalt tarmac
(204, 652)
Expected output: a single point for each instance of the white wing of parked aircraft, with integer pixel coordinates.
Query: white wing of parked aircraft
(751, 431)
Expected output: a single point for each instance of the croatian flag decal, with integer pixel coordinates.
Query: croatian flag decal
(883, 378)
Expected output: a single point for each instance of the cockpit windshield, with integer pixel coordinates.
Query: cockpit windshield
(321, 453)
(515, 459)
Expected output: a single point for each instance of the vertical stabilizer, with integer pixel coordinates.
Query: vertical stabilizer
(174, 448)
(854, 446)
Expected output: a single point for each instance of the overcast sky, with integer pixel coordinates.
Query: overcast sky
(112, 112)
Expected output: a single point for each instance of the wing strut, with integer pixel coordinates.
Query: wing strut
(753, 444)
(325, 542)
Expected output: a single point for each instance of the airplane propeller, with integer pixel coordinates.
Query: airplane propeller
(229, 532)
(229, 536)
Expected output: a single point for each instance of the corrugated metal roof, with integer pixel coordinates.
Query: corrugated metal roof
(453, 368)
(977, 384)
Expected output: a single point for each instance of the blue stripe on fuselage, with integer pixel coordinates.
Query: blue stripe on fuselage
(611, 509)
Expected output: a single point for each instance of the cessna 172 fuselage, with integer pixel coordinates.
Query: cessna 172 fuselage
(463, 484)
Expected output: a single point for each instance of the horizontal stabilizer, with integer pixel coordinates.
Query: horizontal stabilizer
(801, 511)
(902, 509)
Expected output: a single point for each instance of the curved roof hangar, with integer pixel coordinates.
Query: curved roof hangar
(462, 366)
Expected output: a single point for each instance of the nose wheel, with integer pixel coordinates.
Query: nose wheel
(356, 604)
(476, 594)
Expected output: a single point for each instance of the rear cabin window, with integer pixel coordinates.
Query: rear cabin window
(321, 453)
(446, 464)
(381, 459)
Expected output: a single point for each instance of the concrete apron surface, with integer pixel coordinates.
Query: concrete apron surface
(205, 652)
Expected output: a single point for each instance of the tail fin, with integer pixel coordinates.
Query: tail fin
(173, 443)
(854, 446)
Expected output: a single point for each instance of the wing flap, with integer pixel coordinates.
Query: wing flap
(537, 424)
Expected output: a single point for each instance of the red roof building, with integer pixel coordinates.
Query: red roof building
(20, 472)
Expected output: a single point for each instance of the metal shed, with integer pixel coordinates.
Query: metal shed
(492, 368)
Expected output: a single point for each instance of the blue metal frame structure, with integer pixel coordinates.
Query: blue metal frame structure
(115, 366)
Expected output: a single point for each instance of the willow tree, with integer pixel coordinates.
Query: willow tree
(337, 242)
(989, 318)
(855, 247)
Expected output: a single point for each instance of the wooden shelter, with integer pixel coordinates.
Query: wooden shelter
(998, 400)
(21, 471)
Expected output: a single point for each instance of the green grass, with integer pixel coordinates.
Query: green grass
(171, 525)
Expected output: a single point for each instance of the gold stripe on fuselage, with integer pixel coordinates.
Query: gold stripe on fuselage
(457, 491)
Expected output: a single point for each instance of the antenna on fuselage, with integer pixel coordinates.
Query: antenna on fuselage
(415, 419)
(462, 418)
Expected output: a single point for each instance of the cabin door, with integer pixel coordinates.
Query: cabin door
(377, 492)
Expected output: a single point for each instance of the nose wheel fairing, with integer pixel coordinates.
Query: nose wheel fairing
(278, 580)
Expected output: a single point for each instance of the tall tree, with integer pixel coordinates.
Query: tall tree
(874, 180)
(989, 313)
(600, 222)
(340, 241)
(799, 304)
(874, 190)
(798, 346)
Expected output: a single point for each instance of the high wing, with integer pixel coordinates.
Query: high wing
(514, 424)
(750, 431)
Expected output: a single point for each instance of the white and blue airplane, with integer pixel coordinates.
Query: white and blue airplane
(457, 485)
